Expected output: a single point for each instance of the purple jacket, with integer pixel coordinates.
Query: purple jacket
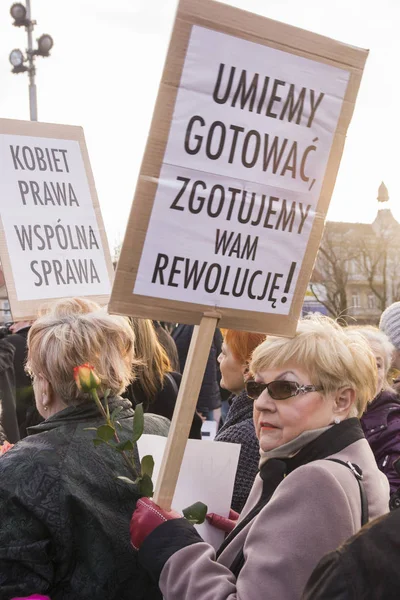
(381, 425)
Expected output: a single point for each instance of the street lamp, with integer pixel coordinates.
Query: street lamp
(16, 58)
(22, 18)
(18, 13)
(45, 44)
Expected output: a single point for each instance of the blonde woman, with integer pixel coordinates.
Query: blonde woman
(381, 419)
(155, 385)
(308, 497)
(64, 513)
(70, 306)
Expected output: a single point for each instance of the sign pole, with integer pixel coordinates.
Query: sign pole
(185, 406)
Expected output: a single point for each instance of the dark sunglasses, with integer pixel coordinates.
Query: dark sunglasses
(278, 390)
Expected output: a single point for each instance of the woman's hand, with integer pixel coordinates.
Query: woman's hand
(146, 518)
(223, 523)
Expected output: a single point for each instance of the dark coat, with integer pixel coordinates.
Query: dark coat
(8, 415)
(381, 425)
(27, 414)
(164, 401)
(364, 568)
(64, 515)
(209, 396)
(299, 509)
(239, 429)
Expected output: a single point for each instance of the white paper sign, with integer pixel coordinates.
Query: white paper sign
(207, 475)
(246, 156)
(208, 430)
(52, 235)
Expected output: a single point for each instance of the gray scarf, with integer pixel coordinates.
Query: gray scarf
(291, 448)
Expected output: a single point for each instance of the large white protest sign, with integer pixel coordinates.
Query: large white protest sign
(53, 242)
(247, 151)
(207, 475)
(238, 172)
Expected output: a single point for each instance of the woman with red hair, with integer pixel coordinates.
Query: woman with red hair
(238, 428)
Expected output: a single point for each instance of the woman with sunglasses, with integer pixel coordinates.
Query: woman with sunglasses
(318, 480)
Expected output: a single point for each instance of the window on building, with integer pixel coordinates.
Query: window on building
(355, 300)
(371, 301)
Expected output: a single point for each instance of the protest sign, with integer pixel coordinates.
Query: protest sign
(239, 168)
(238, 172)
(207, 475)
(52, 238)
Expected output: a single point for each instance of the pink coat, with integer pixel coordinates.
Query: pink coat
(312, 511)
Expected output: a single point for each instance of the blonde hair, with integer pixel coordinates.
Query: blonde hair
(70, 306)
(62, 340)
(333, 357)
(153, 361)
(379, 340)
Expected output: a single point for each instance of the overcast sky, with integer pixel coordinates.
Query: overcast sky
(104, 72)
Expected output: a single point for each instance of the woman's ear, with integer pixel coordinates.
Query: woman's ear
(344, 400)
(245, 371)
(45, 390)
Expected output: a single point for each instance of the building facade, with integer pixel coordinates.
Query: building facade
(357, 271)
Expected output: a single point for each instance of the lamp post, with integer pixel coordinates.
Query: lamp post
(22, 18)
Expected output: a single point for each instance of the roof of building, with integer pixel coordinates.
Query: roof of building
(384, 220)
(383, 194)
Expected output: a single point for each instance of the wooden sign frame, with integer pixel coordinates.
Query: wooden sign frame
(248, 26)
(28, 309)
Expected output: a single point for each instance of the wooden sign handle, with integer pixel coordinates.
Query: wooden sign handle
(192, 378)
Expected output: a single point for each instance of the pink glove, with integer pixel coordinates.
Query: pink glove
(146, 518)
(223, 523)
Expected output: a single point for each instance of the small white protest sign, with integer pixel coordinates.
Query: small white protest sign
(241, 177)
(207, 475)
(53, 233)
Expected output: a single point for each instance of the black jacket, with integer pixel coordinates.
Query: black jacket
(164, 401)
(64, 514)
(209, 396)
(8, 415)
(27, 414)
(365, 568)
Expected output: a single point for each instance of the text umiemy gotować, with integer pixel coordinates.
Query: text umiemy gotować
(223, 203)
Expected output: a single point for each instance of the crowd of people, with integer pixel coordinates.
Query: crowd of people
(318, 479)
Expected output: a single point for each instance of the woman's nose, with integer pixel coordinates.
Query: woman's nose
(265, 402)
